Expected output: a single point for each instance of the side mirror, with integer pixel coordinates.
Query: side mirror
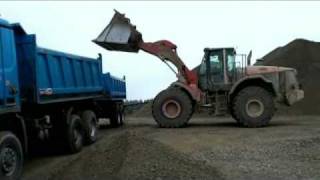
(249, 58)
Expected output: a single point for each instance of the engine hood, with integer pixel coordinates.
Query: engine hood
(255, 70)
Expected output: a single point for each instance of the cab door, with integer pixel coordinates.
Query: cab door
(211, 71)
(9, 94)
(215, 68)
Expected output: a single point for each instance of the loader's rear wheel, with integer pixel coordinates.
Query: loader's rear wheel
(172, 108)
(233, 115)
(253, 107)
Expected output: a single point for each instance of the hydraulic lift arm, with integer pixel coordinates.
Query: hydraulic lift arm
(167, 51)
(121, 35)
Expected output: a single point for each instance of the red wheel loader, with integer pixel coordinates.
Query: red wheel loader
(249, 93)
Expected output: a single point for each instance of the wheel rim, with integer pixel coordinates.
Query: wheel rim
(171, 109)
(254, 108)
(93, 127)
(9, 159)
(119, 118)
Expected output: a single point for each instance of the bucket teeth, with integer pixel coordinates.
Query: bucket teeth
(119, 35)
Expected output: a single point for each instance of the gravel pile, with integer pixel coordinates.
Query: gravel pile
(129, 155)
(144, 111)
(209, 148)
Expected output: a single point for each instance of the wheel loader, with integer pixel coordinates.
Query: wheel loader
(221, 83)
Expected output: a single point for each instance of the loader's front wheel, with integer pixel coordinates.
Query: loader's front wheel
(172, 108)
(253, 106)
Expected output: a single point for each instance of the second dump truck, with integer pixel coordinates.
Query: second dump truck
(47, 95)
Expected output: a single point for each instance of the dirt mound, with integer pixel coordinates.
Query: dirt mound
(303, 55)
(144, 111)
(130, 155)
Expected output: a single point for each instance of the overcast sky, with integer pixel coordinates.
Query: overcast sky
(192, 26)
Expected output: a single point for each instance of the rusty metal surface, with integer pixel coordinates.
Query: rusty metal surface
(254, 70)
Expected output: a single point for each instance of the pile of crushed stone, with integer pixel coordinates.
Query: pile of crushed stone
(303, 55)
(129, 155)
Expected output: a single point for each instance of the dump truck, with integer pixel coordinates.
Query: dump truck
(47, 95)
(220, 83)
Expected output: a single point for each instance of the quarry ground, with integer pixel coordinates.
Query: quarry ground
(209, 148)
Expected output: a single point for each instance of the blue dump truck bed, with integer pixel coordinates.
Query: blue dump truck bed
(114, 87)
(48, 76)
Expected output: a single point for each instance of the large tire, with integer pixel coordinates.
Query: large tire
(90, 126)
(172, 108)
(11, 156)
(233, 115)
(115, 119)
(254, 106)
(117, 116)
(75, 134)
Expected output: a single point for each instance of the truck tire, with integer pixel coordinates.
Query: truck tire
(90, 126)
(172, 108)
(75, 134)
(115, 119)
(117, 115)
(11, 156)
(254, 106)
(122, 117)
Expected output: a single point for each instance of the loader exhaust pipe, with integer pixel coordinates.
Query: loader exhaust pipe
(119, 35)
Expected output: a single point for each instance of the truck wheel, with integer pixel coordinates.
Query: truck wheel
(172, 108)
(254, 106)
(75, 134)
(115, 119)
(122, 118)
(90, 126)
(11, 156)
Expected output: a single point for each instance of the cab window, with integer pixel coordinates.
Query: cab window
(231, 62)
(216, 62)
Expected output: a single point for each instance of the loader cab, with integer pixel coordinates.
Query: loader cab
(217, 70)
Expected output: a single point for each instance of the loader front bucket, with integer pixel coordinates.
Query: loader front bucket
(120, 35)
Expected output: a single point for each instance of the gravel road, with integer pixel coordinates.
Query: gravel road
(209, 148)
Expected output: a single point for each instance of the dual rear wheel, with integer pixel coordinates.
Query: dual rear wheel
(117, 115)
(81, 130)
